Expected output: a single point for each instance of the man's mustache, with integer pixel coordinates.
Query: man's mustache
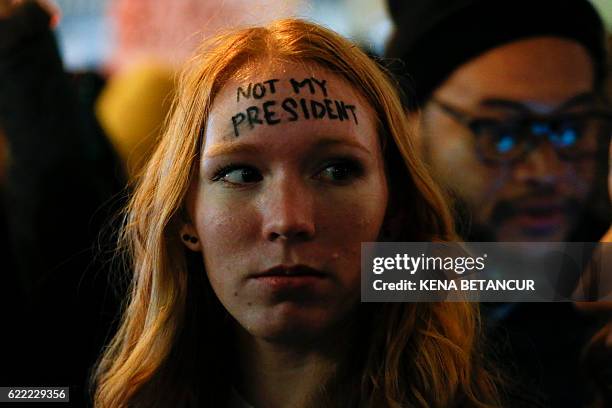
(542, 200)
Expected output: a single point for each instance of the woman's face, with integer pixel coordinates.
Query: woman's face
(291, 181)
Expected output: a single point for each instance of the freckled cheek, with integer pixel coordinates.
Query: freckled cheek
(343, 227)
(349, 264)
(225, 249)
(223, 229)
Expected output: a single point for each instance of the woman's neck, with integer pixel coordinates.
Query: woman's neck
(275, 375)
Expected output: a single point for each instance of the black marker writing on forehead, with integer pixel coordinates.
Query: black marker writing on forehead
(309, 82)
(257, 90)
(296, 108)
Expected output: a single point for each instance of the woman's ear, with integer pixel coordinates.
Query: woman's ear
(187, 230)
(189, 236)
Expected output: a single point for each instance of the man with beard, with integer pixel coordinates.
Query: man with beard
(512, 121)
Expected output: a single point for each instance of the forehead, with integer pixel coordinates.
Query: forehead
(542, 70)
(287, 98)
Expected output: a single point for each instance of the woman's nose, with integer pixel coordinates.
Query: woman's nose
(288, 211)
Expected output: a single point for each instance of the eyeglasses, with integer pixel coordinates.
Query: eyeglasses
(574, 136)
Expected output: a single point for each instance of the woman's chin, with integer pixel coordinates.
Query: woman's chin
(289, 323)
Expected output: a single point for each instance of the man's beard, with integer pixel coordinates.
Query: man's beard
(504, 211)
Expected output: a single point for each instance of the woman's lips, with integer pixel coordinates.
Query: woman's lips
(290, 271)
(290, 277)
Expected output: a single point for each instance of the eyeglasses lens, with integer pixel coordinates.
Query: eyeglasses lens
(572, 137)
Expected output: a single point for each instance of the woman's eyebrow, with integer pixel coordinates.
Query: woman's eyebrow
(227, 148)
(331, 142)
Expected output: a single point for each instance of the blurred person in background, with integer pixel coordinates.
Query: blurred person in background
(58, 171)
(512, 121)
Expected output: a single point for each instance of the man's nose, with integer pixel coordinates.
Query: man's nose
(288, 211)
(541, 165)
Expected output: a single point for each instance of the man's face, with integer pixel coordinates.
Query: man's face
(539, 197)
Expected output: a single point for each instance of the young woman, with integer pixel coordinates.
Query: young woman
(286, 149)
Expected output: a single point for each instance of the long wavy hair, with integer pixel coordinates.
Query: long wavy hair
(173, 346)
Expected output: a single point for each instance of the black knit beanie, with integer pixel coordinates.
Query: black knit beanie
(434, 37)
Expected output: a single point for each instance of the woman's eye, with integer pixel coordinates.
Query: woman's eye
(340, 172)
(238, 175)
